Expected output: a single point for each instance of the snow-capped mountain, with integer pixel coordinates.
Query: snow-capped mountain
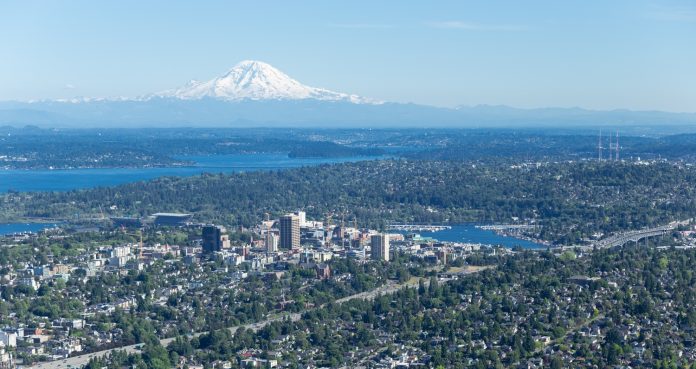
(254, 94)
(255, 80)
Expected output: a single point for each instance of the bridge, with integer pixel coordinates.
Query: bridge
(634, 236)
(417, 227)
(622, 238)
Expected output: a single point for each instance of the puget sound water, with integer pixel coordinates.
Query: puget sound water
(72, 179)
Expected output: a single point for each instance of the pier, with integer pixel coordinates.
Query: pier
(506, 227)
(417, 227)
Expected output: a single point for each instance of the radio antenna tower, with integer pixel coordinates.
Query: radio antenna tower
(617, 146)
(599, 146)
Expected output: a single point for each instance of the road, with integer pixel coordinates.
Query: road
(391, 287)
(621, 238)
(633, 236)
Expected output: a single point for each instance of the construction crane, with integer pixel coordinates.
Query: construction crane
(327, 227)
(140, 245)
(140, 254)
(343, 229)
(328, 219)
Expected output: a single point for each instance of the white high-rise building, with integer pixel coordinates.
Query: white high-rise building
(303, 218)
(380, 246)
(120, 251)
(8, 339)
(271, 242)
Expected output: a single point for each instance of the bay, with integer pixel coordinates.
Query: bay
(468, 233)
(13, 228)
(72, 179)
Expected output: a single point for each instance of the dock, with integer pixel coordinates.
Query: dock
(417, 227)
(506, 227)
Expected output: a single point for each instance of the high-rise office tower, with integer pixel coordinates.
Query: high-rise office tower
(290, 231)
(380, 246)
(212, 238)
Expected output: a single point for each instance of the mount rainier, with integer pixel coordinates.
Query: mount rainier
(255, 80)
(255, 94)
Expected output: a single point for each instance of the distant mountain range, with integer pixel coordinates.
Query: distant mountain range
(254, 93)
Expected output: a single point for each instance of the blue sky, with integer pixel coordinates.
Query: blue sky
(597, 54)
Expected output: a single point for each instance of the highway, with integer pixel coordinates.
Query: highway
(391, 287)
(622, 238)
(633, 236)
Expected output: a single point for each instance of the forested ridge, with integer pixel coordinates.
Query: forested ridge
(572, 200)
(34, 148)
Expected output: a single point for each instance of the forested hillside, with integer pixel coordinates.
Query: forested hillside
(571, 200)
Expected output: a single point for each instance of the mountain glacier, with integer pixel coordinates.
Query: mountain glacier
(255, 80)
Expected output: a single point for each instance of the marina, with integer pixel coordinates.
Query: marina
(471, 234)
(23, 228)
(417, 227)
(506, 227)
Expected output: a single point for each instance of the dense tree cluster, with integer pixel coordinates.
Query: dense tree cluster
(34, 148)
(637, 310)
(219, 301)
(571, 200)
